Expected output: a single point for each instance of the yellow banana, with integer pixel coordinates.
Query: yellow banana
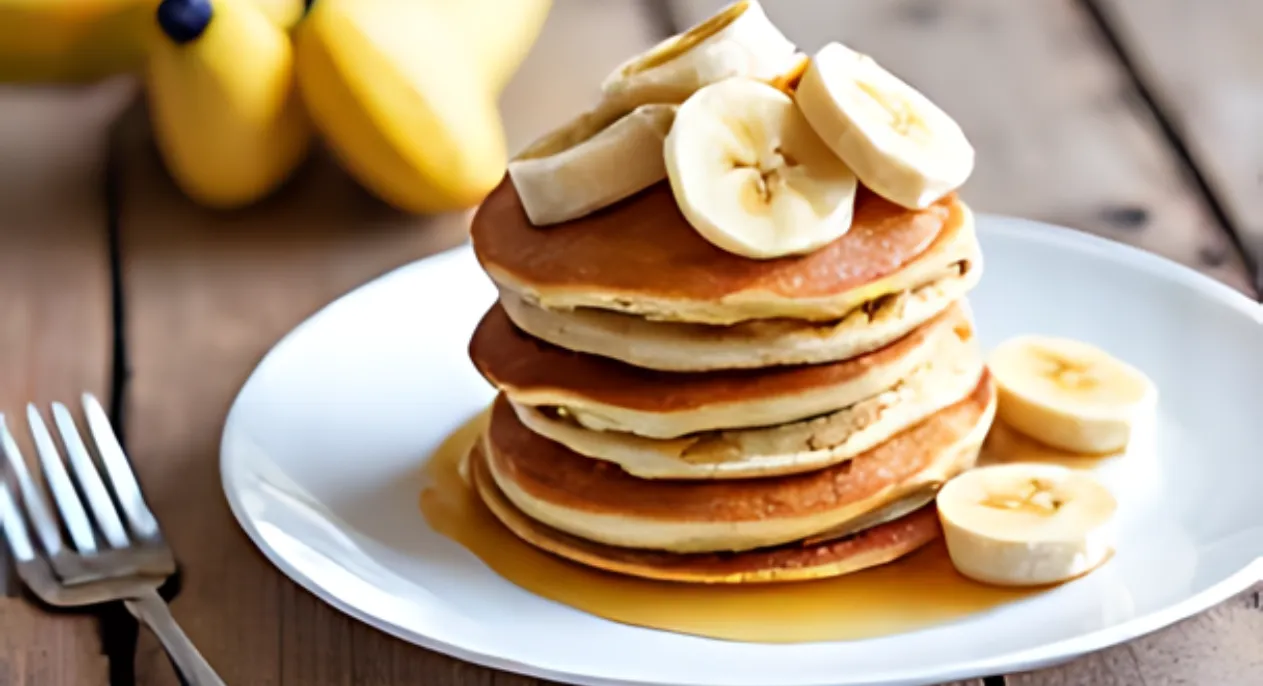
(44, 41)
(69, 41)
(283, 13)
(391, 86)
(225, 109)
(498, 33)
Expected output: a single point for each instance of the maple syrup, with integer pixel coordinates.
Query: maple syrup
(916, 592)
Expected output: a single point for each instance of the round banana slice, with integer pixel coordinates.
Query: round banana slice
(1069, 394)
(898, 142)
(594, 161)
(1026, 524)
(751, 176)
(739, 40)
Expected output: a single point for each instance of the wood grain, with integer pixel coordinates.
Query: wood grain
(1060, 132)
(55, 318)
(1202, 62)
(209, 293)
(1220, 646)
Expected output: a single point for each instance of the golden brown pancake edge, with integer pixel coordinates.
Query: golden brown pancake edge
(518, 363)
(555, 474)
(644, 246)
(792, 562)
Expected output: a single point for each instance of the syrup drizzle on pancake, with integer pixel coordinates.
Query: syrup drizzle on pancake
(915, 592)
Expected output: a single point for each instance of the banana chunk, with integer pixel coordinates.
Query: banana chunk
(1026, 524)
(898, 142)
(1069, 394)
(739, 40)
(591, 162)
(751, 176)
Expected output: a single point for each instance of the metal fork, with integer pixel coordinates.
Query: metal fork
(128, 567)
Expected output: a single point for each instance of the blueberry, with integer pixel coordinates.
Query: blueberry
(184, 20)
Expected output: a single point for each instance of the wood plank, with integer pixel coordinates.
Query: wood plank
(208, 294)
(56, 323)
(1060, 132)
(1202, 62)
(1220, 646)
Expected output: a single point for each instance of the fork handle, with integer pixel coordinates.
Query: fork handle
(151, 609)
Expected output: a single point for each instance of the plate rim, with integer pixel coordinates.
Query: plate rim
(1013, 661)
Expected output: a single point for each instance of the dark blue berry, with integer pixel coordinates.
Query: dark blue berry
(184, 20)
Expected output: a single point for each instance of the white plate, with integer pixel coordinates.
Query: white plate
(320, 462)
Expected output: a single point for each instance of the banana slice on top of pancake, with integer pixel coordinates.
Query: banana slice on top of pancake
(615, 150)
(899, 143)
(593, 161)
(752, 177)
(739, 40)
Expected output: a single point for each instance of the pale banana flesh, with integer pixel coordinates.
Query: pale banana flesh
(1026, 524)
(752, 177)
(898, 142)
(615, 150)
(737, 41)
(225, 109)
(592, 162)
(1069, 394)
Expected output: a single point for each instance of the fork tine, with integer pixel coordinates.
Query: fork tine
(36, 507)
(14, 528)
(118, 469)
(89, 479)
(72, 512)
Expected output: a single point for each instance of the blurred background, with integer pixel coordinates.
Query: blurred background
(170, 206)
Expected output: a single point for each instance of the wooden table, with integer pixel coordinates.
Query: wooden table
(1135, 119)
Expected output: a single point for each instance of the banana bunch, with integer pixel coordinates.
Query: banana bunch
(404, 91)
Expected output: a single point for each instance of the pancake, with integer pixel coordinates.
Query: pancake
(793, 562)
(607, 395)
(599, 502)
(772, 451)
(641, 256)
(673, 346)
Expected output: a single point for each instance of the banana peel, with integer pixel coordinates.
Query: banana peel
(226, 113)
(404, 91)
(73, 41)
(397, 97)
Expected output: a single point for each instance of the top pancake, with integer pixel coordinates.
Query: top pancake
(641, 256)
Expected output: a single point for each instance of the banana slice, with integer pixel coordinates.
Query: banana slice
(739, 40)
(900, 144)
(1070, 395)
(594, 161)
(752, 177)
(1026, 524)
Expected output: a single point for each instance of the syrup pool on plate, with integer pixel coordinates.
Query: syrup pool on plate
(916, 592)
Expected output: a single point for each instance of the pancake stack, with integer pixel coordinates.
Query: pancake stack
(673, 411)
(732, 342)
